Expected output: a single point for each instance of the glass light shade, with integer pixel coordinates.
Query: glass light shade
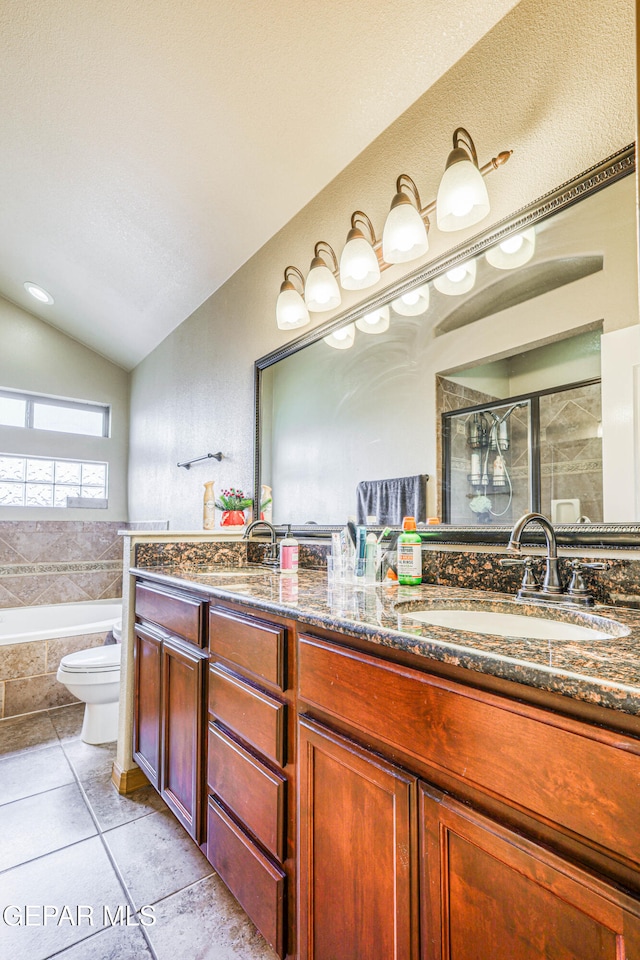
(375, 322)
(321, 291)
(404, 236)
(412, 303)
(359, 267)
(462, 197)
(342, 339)
(290, 308)
(457, 280)
(513, 252)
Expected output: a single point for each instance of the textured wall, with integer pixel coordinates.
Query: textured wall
(36, 357)
(550, 82)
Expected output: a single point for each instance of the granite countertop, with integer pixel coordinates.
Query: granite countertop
(605, 672)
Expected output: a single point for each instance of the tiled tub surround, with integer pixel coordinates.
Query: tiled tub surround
(605, 673)
(59, 561)
(28, 673)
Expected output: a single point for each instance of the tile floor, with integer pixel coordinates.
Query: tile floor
(68, 840)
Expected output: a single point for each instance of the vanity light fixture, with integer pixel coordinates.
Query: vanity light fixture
(413, 302)
(404, 236)
(459, 279)
(359, 266)
(514, 251)
(375, 322)
(343, 338)
(291, 310)
(321, 291)
(462, 199)
(461, 202)
(38, 292)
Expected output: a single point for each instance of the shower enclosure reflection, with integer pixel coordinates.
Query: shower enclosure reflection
(541, 453)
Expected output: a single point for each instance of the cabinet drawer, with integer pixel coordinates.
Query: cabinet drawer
(255, 882)
(252, 792)
(566, 773)
(254, 715)
(178, 614)
(256, 646)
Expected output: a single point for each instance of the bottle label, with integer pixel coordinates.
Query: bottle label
(289, 558)
(409, 560)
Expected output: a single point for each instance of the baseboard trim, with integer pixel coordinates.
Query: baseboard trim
(126, 781)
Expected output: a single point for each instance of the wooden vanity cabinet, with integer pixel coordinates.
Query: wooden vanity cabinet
(169, 707)
(491, 892)
(523, 842)
(250, 769)
(358, 851)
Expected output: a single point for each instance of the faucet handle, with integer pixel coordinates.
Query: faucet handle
(577, 586)
(578, 564)
(529, 580)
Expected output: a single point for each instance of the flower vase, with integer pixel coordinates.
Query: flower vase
(232, 518)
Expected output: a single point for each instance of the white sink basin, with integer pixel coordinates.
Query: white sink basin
(509, 619)
(508, 625)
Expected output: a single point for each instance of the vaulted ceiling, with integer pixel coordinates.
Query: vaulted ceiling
(149, 148)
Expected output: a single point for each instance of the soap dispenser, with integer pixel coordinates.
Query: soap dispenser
(289, 553)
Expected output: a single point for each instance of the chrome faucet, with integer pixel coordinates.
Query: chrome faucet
(271, 553)
(551, 586)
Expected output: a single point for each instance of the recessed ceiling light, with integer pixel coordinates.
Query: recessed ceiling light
(38, 292)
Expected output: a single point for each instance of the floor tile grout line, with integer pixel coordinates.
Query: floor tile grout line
(72, 946)
(33, 748)
(114, 864)
(100, 834)
(38, 793)
(187, 886)
(49, 853)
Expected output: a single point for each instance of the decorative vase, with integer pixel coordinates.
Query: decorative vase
(209, 506)
(232, 518)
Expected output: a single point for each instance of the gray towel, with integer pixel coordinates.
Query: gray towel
(391, 500)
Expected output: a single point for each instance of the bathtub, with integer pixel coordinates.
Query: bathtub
(33, 640)
(22, 624)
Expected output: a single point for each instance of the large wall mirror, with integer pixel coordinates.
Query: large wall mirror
(507, 371)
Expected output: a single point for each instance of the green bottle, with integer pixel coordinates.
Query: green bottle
(409, 553)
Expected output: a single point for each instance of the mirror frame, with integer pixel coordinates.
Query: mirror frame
(597, 535)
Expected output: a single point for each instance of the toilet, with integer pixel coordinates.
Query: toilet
(93, 676)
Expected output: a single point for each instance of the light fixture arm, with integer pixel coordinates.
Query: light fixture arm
(322, 247)
(359, 217)
(288, 272)
(404, 180)
(462, 140)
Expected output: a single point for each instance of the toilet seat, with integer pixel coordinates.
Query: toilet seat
(96, 660)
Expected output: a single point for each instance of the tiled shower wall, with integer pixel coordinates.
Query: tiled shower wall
(59, 561)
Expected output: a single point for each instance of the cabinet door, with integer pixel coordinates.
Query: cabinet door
(357, 852)
(488, 893)
(183, 673)
(147, 704)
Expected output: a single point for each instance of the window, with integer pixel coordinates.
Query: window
(42, 482)
(37, 412)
